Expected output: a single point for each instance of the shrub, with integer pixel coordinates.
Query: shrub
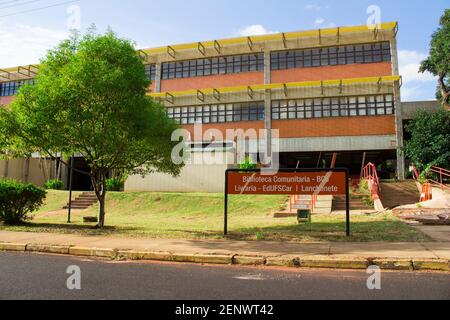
(247, 164)
(18, 200)
(54, 185)
(363, 187)
(114, 184)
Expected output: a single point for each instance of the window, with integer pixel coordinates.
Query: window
(11, 88)
(333, 107)
(150, 71)
(362, 107)
(331, 56)
(213, 66)
(218, 113)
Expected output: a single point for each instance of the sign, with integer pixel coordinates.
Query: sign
(288, 183)
(314, 182)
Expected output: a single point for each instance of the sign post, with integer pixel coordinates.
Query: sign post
(312, 182)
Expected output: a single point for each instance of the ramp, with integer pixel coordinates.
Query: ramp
(394, 194)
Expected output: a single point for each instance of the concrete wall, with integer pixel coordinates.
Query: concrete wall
(34, 171)
(409, 109)
(356, 143)
(194, 178)
(197, 176)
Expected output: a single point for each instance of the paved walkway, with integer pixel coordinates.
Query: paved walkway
(428, 250)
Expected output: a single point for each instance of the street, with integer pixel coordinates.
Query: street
(31, 276)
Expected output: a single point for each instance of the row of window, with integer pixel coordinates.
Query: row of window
(213, 66)
(12, 87)
(333, 107)
(286, 109)
(339, 55)
(218, 113)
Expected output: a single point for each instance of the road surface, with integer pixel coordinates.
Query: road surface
(33, 276)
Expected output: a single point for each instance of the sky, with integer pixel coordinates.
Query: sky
(28, 28)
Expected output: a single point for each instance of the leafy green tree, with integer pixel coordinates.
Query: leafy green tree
(90, 100)
(438, 62)
(430, 139)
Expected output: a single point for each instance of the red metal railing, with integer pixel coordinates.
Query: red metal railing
(444, 175)
(297, 198)
(371, 175)
(426, 192)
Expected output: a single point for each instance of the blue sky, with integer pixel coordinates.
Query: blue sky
(25, 37)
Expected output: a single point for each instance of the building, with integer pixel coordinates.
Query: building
(320, 94)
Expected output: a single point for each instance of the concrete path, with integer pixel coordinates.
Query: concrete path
(427, 250)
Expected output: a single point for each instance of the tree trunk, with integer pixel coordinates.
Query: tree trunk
(99, 183)
(101, 214)
(445, 92)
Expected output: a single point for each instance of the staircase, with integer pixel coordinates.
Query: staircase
(356, 203)
(399, 193)
(84, 201)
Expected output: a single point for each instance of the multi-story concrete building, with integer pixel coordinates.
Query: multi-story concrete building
(322, 92)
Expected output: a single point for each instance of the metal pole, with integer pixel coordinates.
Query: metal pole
(72, 163)
(347, 204)
(225, 227)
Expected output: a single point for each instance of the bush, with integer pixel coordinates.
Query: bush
(114, 184)
(247, 164)
(54, 185)
(17, 200)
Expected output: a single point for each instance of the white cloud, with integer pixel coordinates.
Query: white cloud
(24, 44)
(416, 86)
(321, 23)
(315, 7)
(409, 64)
(253, 30)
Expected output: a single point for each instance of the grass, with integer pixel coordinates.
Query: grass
(55, 201)
(200, 216)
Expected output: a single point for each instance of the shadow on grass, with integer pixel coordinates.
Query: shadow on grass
(373, 231)
(72, 228)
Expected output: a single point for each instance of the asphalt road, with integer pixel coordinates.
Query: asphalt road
(32, 276)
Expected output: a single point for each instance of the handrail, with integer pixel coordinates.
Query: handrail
(370, 174)
(443, 173)
(426, 192)
(296, 198)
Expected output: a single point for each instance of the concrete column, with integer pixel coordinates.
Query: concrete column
(6, 169)
(268, 103)
(158, 76)
(65, 174)
(398, 113)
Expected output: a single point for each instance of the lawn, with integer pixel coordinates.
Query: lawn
(200, 216)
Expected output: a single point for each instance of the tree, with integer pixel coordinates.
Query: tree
(430, 139)
(90, 99)
(438, 62)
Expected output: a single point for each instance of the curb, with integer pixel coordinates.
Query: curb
(317, 261)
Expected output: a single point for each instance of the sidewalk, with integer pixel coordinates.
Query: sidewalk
(407, 256)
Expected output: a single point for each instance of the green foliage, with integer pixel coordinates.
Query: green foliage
(247, 164)
(438, 62)
(53, 185)
(114, 184)
(430, 139)
(17, 200)
(363, 187)
(90, 98)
